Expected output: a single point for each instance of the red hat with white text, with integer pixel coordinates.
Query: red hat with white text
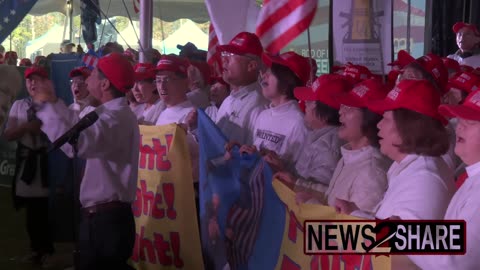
(469, 109)
(325, 89)
(118, 70)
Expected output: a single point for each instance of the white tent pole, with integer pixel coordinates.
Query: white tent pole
(146, 22)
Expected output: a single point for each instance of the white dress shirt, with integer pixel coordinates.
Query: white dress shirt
(18, 116)
(465, 205)
(199, 98)
(110, 147)
(419, 187)
(237, 114)
(149, 116)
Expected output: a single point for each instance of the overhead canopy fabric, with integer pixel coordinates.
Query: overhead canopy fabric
(167, 10)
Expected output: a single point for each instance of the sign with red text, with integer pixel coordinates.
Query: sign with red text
(292, 253)
(167, 234)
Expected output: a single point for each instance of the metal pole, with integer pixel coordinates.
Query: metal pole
(70, 19)
(146, 22)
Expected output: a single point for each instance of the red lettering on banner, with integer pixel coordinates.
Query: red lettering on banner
(156, 155)
(289, 264)
(152, 204)
(159, 250)
(293, 226)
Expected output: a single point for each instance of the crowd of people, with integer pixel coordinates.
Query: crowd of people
(369, 146)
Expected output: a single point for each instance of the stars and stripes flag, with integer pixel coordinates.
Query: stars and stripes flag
(136, 5)
(213, 57)
(90, 59)
(281, 21)
(12, 13)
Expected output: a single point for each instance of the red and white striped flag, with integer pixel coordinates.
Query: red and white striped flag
(90, 60)
(281, 21)
(212, 45)
(136, 5)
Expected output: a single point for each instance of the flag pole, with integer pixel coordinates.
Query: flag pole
(310, 54)
(146, 22)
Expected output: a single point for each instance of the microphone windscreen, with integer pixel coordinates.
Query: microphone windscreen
(10, 85)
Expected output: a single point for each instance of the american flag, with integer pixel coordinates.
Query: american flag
(136, 5)
(281, 21)
(90, 59)
(12, 13)
(213, 57)
(244, 217)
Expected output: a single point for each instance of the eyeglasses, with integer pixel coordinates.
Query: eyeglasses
(229, 54)
(165, 80)
(77, 82)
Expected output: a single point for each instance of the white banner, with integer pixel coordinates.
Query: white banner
(362, 33)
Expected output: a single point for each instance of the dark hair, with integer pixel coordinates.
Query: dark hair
(427, 76)
(113, 90)
(331, 115)
(369, 126)
(286, 79)
(421, 134)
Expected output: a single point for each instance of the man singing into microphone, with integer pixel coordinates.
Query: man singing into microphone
(110, 147)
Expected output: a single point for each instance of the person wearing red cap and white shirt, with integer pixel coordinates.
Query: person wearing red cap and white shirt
(279, 131)
(111, 151)
(219, 91)
(361, 174)
(412, 132)
(321, 149)
(149, 106)
(172, 85)
(465, 204)
(468, 42)
(428, 67)
(241, 66)
(81, 96)
(31, 185)
(198, 74)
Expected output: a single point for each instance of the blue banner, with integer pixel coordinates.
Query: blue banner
(12, 13)
(242, 220)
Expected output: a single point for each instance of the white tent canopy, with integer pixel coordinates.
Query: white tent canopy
(167, 10)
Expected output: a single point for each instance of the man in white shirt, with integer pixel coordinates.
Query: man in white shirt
(465, 204)
(468, 41)
(81, 96)
(241, 66)
(110, 147)
(219, 91)
(172, 86)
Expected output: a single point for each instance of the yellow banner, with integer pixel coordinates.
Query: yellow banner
(167, 234)
(292, 255)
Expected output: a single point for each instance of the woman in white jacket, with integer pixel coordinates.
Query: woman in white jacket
(413, 135)
(361, 174)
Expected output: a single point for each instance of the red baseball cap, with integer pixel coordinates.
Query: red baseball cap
(465, 81)
(243, 43)
(144, 71)
(403, 59)
(336, 69)
(118, 70)
(80, 71)
(173, 63)
(298, 64)
(467, 68)
(25, 62)
(39, 58)
(451, 63)
(325, 89)
(36, 70)
(356, 73)
(433, 64)
(469, 109)
(363, 92)
(416, 95)
(459, 25)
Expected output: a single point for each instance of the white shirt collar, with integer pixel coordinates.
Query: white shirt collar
(244, 90)
(283, 108)
(352, 156)
(473, 169)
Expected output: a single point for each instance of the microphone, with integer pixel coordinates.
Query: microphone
(84, 123)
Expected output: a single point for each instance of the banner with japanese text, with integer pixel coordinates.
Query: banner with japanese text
(167, 234)
(292, 255)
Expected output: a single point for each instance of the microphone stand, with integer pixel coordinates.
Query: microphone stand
(73, 141)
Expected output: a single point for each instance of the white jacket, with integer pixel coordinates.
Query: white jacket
(473, 61)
